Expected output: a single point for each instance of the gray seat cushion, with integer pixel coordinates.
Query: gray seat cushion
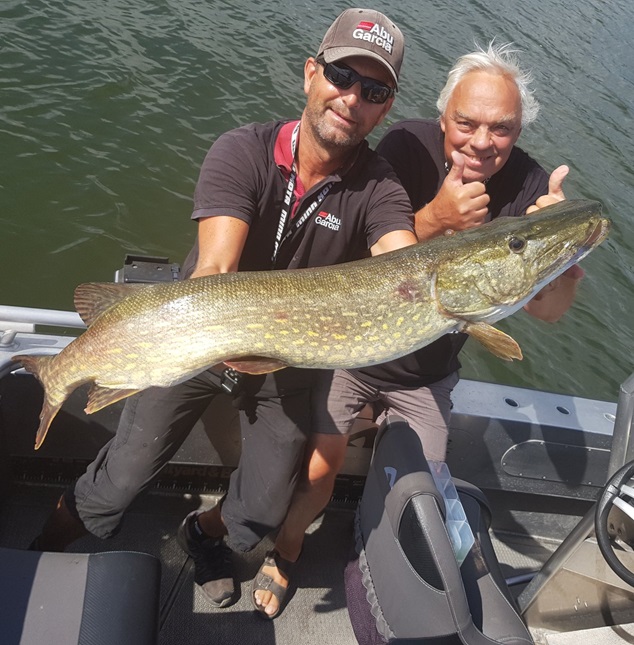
(78, 599)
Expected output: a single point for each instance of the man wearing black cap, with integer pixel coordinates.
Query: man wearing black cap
(283, 195)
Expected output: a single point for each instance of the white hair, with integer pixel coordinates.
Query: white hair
(501, 59)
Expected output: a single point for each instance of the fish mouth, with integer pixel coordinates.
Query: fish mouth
(597, 234)
(598, 230)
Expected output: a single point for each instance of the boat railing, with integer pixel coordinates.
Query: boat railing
(622, 452)
(622, 441)
(19, 318)
(18, 332)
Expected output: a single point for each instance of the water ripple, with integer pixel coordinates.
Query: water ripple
(109, 107)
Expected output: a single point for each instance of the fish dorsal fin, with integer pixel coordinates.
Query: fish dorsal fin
(100, 397)
(93, 298)
(496, 341)
(255, 364)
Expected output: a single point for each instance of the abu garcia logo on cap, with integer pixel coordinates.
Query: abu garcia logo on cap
(373, 33)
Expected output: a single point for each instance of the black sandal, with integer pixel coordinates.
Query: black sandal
(264, 582)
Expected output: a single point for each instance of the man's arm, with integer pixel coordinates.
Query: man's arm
(392, 241)
(457, 206)
(220, 244)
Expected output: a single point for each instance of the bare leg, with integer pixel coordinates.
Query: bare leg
(324, 458)
(61, 529)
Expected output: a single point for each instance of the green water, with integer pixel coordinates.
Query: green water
(108, 108)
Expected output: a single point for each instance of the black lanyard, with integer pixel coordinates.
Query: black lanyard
(280, 236)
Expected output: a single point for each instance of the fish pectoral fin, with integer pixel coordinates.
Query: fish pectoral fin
(496, 341)
(256, 364)
(93, 298)
(100, 397)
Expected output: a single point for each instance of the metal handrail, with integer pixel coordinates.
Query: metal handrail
(622, 452)
(622, 439)
(33, 316)
(556, 561)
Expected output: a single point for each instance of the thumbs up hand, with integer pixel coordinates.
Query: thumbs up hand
(457, 206)
(555, 190)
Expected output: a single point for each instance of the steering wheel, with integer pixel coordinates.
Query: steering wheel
(617, 493)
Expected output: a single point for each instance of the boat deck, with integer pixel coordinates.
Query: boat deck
(317, 610)
(540, 458)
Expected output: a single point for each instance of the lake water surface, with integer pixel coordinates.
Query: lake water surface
(108, 108)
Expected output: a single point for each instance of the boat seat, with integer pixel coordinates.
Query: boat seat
(404, 584)
(78, 599)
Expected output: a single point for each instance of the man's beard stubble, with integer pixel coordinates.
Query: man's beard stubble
(327, 136)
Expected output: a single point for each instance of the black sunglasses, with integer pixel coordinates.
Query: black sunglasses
(344, 77)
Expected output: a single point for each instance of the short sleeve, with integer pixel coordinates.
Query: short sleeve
(229, 179)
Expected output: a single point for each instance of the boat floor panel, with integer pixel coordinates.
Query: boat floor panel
(317, 611)
(614, 635)
(521, 554)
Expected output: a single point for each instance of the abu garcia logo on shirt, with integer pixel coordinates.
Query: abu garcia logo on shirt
(328, 221)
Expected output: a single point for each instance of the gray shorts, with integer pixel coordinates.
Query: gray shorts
(338, 397)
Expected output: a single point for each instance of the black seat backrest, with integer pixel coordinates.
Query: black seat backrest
(416, 549)
(414, 588)
(78, 599)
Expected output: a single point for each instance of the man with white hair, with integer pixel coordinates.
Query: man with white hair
(459, 171)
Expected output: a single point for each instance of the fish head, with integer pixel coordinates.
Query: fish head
(491, 271)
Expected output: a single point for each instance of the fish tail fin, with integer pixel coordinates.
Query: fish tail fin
(46, 418)
(40, 367)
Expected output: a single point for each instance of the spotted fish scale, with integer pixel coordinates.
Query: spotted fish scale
(343, 316)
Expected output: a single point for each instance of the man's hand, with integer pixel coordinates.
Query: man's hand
(552, 302)
(555, 190)
(456, 207)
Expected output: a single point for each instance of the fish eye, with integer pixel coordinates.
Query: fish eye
(517, 244)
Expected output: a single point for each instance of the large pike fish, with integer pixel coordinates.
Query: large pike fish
(343, 316)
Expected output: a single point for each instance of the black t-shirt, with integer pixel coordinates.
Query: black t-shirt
(241, 177)
(415, 149)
